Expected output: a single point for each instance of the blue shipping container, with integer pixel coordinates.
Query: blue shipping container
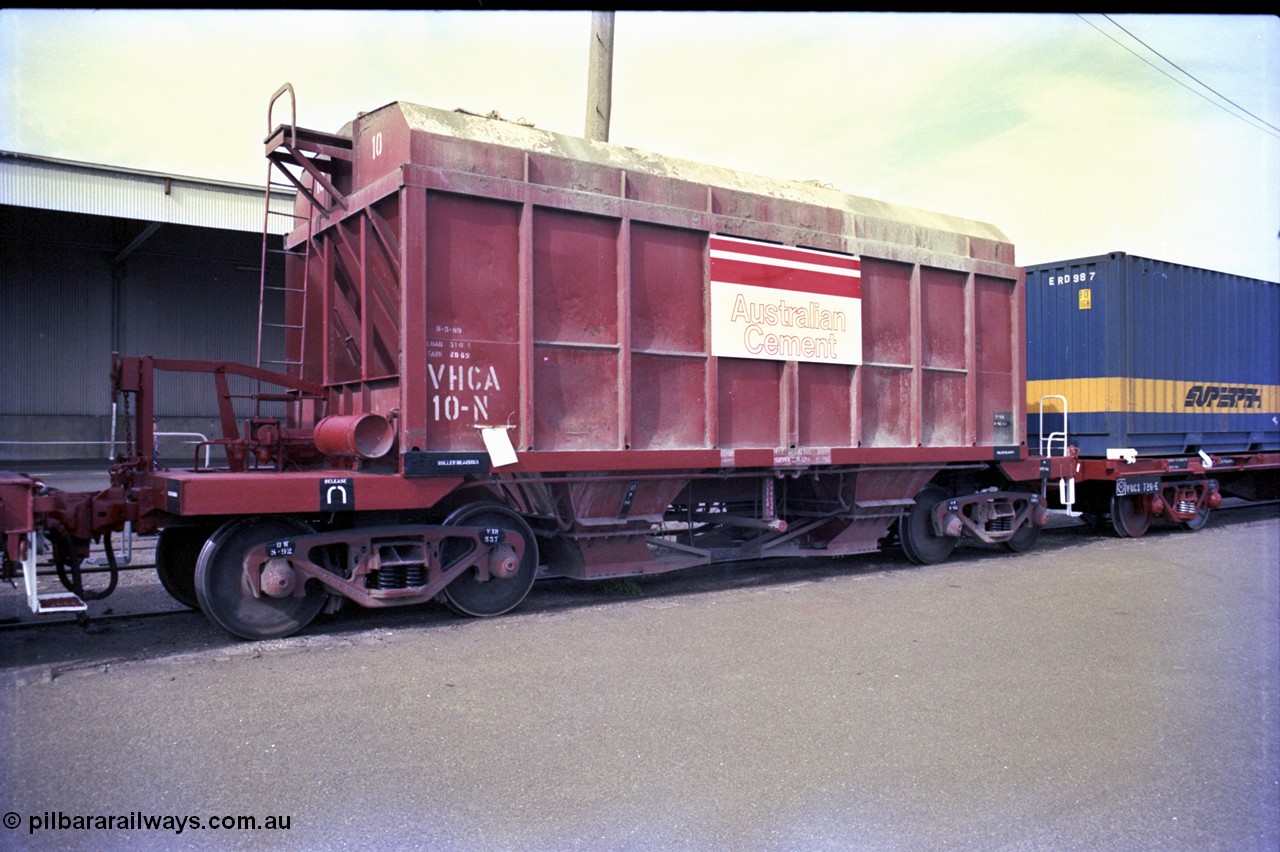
(1153, 356)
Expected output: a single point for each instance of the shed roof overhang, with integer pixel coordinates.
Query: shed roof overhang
(72, 187)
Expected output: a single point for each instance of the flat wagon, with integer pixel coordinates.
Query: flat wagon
(513, 353)
(1163, 378)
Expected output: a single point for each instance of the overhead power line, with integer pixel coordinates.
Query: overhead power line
(1260, 121)
(1188, 74)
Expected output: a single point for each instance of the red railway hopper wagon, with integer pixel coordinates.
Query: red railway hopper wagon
(514, 354)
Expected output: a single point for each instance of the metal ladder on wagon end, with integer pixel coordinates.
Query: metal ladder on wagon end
(289, 147)
(1066, 485)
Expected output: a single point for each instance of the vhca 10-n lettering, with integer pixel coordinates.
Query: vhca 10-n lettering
(1222, 396)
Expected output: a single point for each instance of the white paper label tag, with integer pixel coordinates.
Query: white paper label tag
(499, 446)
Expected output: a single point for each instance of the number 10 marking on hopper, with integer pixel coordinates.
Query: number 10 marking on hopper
(450, 407)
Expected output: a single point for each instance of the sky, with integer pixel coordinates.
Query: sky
(1076, 135)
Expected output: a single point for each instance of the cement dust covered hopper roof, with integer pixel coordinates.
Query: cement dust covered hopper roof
(865, 220)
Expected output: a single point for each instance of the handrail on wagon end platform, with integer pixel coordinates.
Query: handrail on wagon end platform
(1047, 441)
(1066, 486)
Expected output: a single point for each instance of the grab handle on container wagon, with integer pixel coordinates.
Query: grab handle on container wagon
(1047, 441)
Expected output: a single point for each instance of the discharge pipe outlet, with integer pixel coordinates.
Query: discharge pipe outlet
(368, 436)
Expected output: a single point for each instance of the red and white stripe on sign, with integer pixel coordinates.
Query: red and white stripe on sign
(756, 264)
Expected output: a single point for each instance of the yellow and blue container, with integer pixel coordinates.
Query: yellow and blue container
(1152, 356)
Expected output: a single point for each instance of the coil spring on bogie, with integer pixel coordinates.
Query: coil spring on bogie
(1004, 524)
(397, 577)
(1187, 507)
(391, 577)
(401, 565)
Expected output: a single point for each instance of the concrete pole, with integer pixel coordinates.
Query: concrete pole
(600, 77)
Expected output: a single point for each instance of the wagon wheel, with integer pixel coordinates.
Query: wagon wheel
(177, 550)
(1199, 521)
(915, 530)
(224, 595)
(1129, 517)
(1024, 539)
(467, 595)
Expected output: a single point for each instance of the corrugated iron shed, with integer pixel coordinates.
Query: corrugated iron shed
(97, 259)
(45, 183)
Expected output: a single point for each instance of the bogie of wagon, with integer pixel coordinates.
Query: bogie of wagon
(1127, 501)
(267, 576)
